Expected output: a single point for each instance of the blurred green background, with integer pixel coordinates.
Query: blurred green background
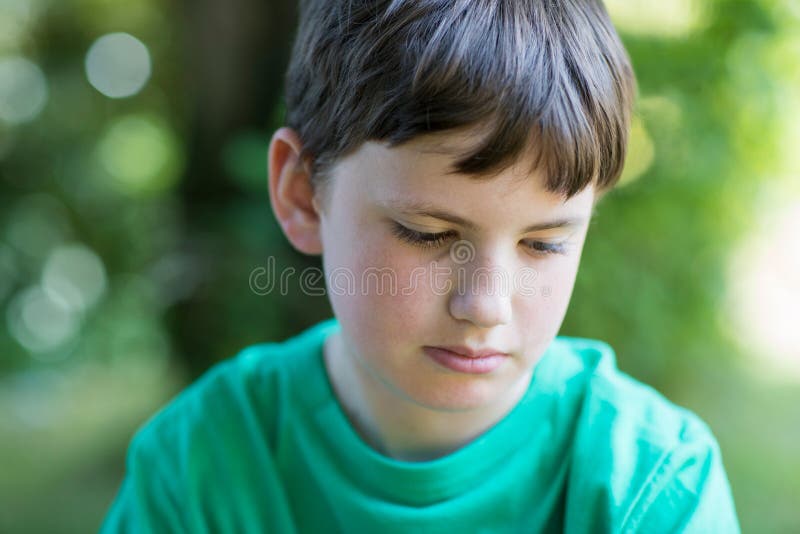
(134, 208)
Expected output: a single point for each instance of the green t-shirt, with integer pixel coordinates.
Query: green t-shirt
(260, 444)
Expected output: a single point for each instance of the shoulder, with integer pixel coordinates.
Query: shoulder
(612, 398)
(238, 397)
(637, 457)
(206, 459)
(228, 382)
(214, 443)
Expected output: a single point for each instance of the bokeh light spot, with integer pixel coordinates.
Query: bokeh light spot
(640, 153)
(23, 90)
(118, 65)
(75, 275)
(667, 18)
(41, 323)
(16, 17)
(764, 282)
(142, 155)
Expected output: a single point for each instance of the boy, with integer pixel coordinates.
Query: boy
(456, 148)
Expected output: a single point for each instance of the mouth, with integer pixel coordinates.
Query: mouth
(462, 350)
(463, 360)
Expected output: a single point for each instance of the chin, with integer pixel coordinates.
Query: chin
(460, 396)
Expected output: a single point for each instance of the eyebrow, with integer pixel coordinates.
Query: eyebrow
(428, 210)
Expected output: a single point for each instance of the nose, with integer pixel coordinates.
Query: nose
(481, 296)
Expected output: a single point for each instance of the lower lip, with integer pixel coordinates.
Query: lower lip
(464, 364)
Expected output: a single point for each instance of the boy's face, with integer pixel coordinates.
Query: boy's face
(486, 283)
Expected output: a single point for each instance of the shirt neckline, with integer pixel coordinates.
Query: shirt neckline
(427, 481)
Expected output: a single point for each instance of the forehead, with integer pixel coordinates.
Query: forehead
(420, 173)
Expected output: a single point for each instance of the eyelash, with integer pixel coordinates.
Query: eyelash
(420, 239)
(428, 240)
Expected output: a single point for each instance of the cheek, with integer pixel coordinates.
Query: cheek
(385, 300)
(547, 304)
(557, 284)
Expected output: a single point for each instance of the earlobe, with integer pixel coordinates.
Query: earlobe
(292, 193)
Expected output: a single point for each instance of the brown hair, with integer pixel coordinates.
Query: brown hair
(542, 75)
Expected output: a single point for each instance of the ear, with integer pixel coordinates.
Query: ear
(291, 193)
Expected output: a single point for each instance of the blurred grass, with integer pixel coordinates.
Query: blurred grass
(64, 435)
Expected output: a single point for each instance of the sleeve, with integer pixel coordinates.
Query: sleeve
(689, 492)
(147, 500)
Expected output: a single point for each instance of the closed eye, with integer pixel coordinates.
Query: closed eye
(542, 247)
(434, 240)
(421, 239)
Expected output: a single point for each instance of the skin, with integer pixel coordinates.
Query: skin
(401, 402)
